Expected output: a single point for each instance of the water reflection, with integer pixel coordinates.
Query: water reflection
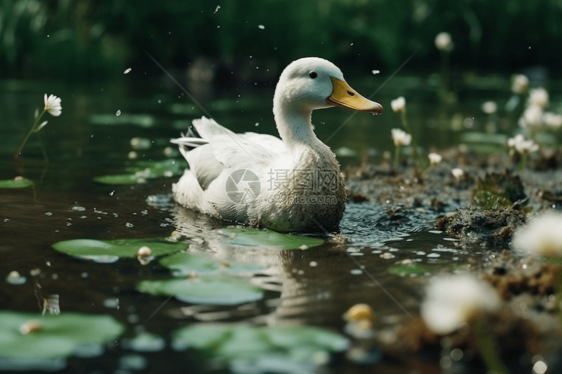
(316, 286)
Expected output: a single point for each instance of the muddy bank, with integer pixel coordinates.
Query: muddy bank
(484, 206)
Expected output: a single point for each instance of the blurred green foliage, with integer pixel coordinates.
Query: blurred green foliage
(88, 38)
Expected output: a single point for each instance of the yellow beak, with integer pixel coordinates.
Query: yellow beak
(346, 97)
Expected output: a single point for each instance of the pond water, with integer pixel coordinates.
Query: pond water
(312, 287)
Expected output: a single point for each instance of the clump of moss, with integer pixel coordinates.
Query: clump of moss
(491, 227)
(496, 191)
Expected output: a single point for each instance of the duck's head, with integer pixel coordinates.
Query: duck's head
(314, 83)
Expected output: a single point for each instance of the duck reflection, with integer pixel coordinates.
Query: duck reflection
(316, 286)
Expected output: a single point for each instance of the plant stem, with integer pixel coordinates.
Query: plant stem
(523, 161)
(18, 152)
(43, 149)
(407, 127)
(487, 350)
(396, 156)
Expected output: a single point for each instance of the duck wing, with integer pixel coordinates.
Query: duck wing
(218, 148)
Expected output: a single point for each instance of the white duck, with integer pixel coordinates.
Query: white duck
(288, 184)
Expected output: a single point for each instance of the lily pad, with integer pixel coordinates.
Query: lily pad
(207, 290)
(419, 269)
(404, 270)
(257, 238)
(183, 264)
(232, 344)
(142, 120)
(144, 170)
(59, 335)
(16, 183)
(89, 248)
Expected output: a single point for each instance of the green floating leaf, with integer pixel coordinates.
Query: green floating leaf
(144, 170)
(419, 269)
(416, 268)
(251, 344)
(86, 248)
(183, 264)
(207, 290)
(120, 179)
(59, 335)
(16, 183)
(257, 238)
(142, 120)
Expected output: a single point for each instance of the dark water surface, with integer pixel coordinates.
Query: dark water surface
(303, 287)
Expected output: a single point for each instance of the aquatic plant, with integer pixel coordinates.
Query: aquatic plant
(29, 335)
(458, 173)
(262, 349)
(400, 139)
(399, 106)
(434, 160)
(538, 97)
(523, 147)
(496, 191)
(542, 236)
(444, 44)
(452, 300)
(552, 120)
(519, 84)
(54, 108)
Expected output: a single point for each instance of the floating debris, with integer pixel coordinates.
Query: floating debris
(127, 71)
(118, 113)
(375, 72)
(358, 312)
(261, 27)
(15, 278)
(30, 327)
(144, 252)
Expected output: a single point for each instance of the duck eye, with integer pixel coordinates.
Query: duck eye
(313, 75)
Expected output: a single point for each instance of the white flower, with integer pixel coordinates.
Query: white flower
(532, 116)
(457, 173)
(443, 41)
(434, 158)
(539, 97)
(52, 105)
(521, 145)
(552, 120)
(520, 84)
(454, 299)
(489, 107)
(398, 105)
(542, 236)
(400, 137)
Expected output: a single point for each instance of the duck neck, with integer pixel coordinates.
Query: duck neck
(294, 125)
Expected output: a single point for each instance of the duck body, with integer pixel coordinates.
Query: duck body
(292, 183)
